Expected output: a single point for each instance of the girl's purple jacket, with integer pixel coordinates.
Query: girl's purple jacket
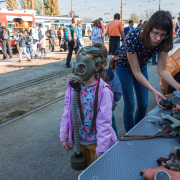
(106, 136)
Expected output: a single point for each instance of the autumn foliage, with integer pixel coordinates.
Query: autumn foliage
(11, 4)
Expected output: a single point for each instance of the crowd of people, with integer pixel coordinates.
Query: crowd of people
(100, 89)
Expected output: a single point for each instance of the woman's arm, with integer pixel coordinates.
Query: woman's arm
(102, 37)
(133, 61)
(164, 73)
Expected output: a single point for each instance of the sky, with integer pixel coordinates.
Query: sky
(106, 9)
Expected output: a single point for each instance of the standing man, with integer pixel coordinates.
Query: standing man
(39, 36)
(129, 28)
(59, 35)
(39, 33)
(114, 30)
(52, 35)
(176, 29)
(4, 39)
(34, 33)
(140, 24)
(72, 44)
(102, 27)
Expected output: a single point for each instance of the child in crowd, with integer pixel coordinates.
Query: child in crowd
(22, 46)
(43, 45)
(96, 134)
(114, 82)
(28, 44)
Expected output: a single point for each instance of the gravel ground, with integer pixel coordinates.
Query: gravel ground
(32, 97)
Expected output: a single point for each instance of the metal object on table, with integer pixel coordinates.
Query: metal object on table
(126, 158)
(173, 122)
(177, 93)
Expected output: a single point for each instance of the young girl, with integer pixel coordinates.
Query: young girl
(43, 45)
(131, 67)
(95, 138)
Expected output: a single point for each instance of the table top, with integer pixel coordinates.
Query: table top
(127, 158)
(156, 112)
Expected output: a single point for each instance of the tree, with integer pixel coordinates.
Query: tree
(26, 4)
(40, 9)
(178, 17)
(51, 7)
(11, 4)
(38, 5)
(87, 20)
(134, 17)
(72, 13)
(148, 14)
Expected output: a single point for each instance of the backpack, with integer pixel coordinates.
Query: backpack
(5, 35)
(67, 34)
(29, 40)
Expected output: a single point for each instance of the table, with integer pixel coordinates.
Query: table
(156, 112)
(126, 159)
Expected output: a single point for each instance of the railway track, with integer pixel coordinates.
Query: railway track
(34, 110)
(32, 82)
(28, 97)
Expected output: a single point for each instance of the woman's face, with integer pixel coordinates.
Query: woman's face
(156, 36)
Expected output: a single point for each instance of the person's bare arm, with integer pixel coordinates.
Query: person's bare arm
(107, 30)
(74, 37)
(123, 36)
(133, 61)
(164, 73)
(102, 37)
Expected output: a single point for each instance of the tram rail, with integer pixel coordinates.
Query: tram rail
(32, 111)
(31, 83)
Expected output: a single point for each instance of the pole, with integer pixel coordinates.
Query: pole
(71, 10)
(32, 4)
(122, 11)
(159, 5)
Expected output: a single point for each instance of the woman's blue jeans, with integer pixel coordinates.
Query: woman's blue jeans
(128, 81)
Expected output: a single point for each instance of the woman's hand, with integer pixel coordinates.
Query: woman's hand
(157, 95)
(66, 146)
(178, 87)
(96, 156)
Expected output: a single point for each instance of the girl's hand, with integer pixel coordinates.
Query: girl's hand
(157, 95)
(66, 146)
(96, 156)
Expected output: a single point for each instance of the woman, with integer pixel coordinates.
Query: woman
(96, 33)
(131, 67)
